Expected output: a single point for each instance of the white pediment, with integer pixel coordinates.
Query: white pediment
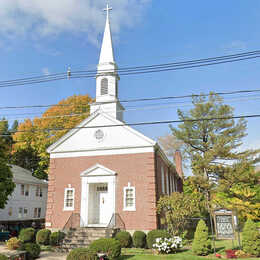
(100, 132)
(97, 170)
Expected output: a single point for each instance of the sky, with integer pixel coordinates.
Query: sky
(46, 37)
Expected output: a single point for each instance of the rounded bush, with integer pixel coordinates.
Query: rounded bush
(56, 238)
(201, 244)
(81, 254)
(27, 235)
(109, 246)
(139, 239)
(124, 238)
(13, 243)
(3, 257)
(43, 237)
(33, 250)
(156, 233)
(251, 238)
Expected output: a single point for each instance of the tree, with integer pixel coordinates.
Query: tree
(212, 139)
(176, 209)
(6, 178)
(251, 238)
(201, 244)
(34, 136)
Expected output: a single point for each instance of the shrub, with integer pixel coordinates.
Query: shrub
(167, 245)
(251, 238)
(13, 243)
(43, 237)
(56, 238)
(81, 254)
(109, 246)
(201, 244)
(27, 235)
(156, 233)
(124, 238)
(3, 257)
(139, 239)
(33, 250)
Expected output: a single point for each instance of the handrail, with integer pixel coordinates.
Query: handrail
(116, 222)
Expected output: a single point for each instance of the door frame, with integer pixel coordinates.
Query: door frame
(96, 174)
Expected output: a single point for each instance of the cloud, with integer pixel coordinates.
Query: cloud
(46, 71)
(37, 18)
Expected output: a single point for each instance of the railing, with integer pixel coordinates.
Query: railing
(116, 222)
(73, 221)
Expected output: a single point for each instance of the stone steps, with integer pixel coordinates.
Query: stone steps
(82, 237)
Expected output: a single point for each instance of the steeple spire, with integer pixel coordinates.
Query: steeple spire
(107, 52)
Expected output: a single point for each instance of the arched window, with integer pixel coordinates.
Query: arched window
(104, 86)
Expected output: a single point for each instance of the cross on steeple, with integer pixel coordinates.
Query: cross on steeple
(107, 9)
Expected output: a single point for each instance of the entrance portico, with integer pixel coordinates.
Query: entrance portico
(97, 196)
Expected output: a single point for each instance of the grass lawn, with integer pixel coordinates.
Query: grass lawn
(185, 254)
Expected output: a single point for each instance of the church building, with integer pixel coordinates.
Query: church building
(104, 171)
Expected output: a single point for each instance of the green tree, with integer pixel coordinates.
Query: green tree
(6, 178)
(176, 209)
(34, 136)
(251, 238)
(212, 139)
(201, 244)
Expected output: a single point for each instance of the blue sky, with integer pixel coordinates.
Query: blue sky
(39, 37)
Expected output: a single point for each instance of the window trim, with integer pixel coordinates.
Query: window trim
(163, 180)
(132, 208)
(65, 208)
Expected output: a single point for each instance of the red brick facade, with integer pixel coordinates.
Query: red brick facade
(142, 170)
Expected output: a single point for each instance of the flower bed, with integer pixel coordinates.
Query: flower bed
(167, 245)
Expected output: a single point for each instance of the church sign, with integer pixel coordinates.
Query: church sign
(224, 224)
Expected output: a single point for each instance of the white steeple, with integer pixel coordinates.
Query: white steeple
(107, 77)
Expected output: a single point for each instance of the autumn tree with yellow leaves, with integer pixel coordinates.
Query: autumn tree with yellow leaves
(33, 137)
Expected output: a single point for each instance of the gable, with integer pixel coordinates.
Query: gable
(97, 170)
(100, 132)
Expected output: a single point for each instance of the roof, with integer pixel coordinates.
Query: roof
(22, 175)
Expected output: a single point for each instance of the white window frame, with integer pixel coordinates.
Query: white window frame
(65, 208)
(127, 208)
(163, 180)
(167, 182)
(171, 186)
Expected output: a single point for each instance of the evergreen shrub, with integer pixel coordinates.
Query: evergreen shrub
(156, 233)
(13, 243)
(139, 239)
(82, 254)
(27, 235)
(201, 244)
(32, 250)
(124, 238)
(56, 238)
(109, 246)
(251, 238)
(43, 237)
(3, 257)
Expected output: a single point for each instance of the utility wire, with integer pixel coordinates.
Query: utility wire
(137, 124)
(139, 99)
(135, 70)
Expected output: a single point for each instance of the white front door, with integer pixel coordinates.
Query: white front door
(104, 211)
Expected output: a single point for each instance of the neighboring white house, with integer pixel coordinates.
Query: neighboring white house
(28, 200)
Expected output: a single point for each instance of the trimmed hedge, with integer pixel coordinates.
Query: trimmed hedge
(109, 246)
(139, 239)
(3, 257)
(27, 235)
(56, 238)
(201, 244)
(124, 238)
(43, 237)
(251, 238)
(156, 233)
(82, 254)
(33, 250)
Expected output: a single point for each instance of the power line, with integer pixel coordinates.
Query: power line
(137, 124)
(135, 70)
(139, 99)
